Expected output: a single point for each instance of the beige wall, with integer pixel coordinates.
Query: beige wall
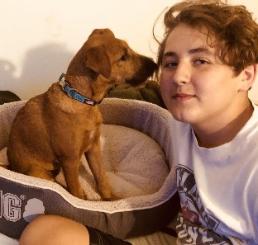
(38, 38)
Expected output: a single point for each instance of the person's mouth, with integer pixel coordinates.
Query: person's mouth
(182, 97)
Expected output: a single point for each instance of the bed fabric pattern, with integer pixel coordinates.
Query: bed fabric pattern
(24, 197)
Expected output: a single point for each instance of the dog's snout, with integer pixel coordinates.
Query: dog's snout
(146, 69)
(149, 64)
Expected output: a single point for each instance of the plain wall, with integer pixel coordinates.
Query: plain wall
(38, 38)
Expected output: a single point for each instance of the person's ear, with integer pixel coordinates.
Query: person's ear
(247, 77)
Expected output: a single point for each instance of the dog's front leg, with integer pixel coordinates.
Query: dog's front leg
(93, 155)
(71, 174)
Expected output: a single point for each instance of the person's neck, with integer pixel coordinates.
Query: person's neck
(222, 133)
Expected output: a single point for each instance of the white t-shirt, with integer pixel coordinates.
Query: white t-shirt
(218, 187)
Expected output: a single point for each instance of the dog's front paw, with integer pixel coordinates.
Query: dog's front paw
(108, 195)
(84, 195)
(80, 194)
(115, 197)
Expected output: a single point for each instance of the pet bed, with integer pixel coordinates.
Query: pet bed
(136, 144)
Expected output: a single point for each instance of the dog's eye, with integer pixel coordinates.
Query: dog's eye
(124, 57)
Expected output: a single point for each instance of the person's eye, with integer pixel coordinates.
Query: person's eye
(201, 61)
(170, 64)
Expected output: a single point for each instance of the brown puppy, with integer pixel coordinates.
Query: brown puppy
(53, 130)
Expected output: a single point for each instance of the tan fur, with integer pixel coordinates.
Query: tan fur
(53, 131)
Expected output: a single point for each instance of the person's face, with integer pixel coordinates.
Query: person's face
(196, 87)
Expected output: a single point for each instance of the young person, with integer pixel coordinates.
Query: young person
(207, 65)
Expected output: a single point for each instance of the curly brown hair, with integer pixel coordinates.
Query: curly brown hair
(234, 29)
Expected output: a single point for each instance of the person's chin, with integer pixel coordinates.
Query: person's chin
(181, 119)
(185, 117)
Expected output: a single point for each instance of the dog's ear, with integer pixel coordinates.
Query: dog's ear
(98, 61)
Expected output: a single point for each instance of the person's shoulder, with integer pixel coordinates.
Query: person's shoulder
(181, 131)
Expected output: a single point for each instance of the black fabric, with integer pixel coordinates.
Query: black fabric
(99, 238)
(8, 96)
(169, 231)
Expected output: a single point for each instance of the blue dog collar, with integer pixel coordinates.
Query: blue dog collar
(73, 93)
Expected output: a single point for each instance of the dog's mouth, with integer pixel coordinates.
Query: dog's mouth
(139, 78)
(146, 71)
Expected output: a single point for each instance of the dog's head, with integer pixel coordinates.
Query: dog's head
(105, 55)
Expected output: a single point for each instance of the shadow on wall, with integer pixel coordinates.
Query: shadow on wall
(41, 67)
(7, 70)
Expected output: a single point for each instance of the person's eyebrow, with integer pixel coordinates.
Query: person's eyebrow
(169, 54)
(204, 50)
(200, 50)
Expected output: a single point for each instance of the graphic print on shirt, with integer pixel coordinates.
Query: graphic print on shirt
(194, 225)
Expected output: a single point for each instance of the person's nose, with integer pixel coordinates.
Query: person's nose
(182, 73)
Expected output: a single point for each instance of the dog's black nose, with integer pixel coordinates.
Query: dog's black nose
(150, 65)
